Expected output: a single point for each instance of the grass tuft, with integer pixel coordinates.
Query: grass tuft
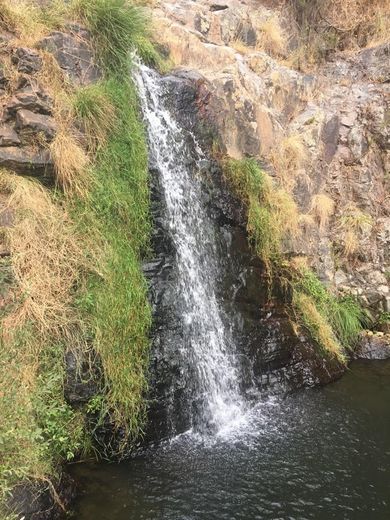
(322, 208)
(96, 114)
(71, 163)
(272, 38)
(117, 27)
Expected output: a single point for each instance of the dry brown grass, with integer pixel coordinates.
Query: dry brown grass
(318, 326)
(285, 212)
(289, 159)
(47, 256)
(71, 163)
(352, 226)
(22, 17)
(322, 208)
(272, 38)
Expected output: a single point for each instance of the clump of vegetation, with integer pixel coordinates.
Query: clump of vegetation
(289, 159)
(322, 208)
(272, 218)
(117, 28)
(272, 213)
(93, 108)
(272, 38)
(353, 225)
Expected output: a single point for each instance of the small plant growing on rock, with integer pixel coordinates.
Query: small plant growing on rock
(322, 208)
(353, 225)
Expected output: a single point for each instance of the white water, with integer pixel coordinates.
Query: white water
(208, 344)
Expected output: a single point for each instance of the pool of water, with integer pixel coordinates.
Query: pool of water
(319, 454)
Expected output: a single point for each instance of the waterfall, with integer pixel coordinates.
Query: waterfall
(207, 345)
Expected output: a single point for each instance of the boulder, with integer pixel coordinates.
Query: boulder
(26, 161)
(373, 346)
(28, 123)
(74, 54)
(26, 60)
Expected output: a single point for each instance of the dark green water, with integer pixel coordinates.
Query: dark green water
(320, 454)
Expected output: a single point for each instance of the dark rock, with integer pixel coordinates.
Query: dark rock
(218, 7)
(31, 101)
(83, 377)
(28, 122)
(42, 500)
(27, 60)
(8, 136)
(74, 55)
(26, 161)
(330, 137)
(373, 347)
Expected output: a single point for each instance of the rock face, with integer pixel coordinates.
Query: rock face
(374, 346)
(27, 122)
(273, 358)
(36, 500)
(340, 113)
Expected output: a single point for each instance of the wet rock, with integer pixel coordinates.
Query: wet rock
(26, 161)
(42, 500)
(272, 356)
(27, 60)
(83, 377)
(29, 123)
(8, 136)
(74, 54)
(373, 346)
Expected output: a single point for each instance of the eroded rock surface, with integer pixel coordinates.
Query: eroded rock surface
(340, 112)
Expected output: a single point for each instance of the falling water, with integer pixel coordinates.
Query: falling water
(207, 345)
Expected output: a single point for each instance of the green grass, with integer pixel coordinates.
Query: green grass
(343, 314)
(116, 299)
(117, 28)
(38, 429)
(111, 225)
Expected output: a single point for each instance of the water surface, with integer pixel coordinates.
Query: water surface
(319, 454)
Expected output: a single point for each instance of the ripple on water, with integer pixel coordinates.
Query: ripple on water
(319, 455)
